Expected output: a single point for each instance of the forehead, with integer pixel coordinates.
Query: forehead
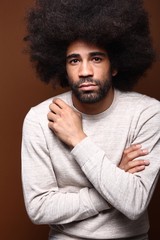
(81, 47)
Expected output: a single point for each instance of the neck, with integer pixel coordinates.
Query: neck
(94, 108)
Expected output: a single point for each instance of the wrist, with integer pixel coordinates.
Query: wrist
(75, 141)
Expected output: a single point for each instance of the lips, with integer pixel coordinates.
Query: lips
(88, 86)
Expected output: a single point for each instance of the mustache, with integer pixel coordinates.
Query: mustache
(87, 80)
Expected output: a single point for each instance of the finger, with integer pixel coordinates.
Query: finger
(135, 164)
(127, 159)
(55, 108)
(66, 108)
(54, 123)
(137, 153)
(52, 117)
(50, 125)
(139, 163)
(137, 169)
(59, 102)
(132, 148)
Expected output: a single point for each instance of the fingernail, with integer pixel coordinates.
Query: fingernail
(146, 162)
(138, 145)
(145, 151)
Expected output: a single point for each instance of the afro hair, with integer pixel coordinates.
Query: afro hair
(119, 26)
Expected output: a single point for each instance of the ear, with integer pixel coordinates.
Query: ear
(114, 72)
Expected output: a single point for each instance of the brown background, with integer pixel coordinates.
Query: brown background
(19, 90)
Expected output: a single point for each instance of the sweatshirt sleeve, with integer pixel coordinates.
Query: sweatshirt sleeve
(128, 193)
(45, 202)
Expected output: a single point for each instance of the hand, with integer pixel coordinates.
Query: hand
(66, 123)
(129, 163)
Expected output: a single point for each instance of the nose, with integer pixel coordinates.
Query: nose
(85, 70)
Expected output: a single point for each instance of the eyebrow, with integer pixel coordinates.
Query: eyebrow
(103, 54)
(92, 54)
(74, 55)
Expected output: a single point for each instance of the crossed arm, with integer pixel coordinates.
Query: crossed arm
(66, 123)
(41, 191)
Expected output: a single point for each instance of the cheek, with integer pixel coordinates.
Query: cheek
(104, 74)
(71, 73)
(108, 72)
(68, 71)
(103, 71)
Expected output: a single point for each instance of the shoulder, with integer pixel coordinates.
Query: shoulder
(138, 108)
(138, 101)
(40, 111)
(144, 112)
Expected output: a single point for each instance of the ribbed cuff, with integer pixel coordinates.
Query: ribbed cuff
(84, 151)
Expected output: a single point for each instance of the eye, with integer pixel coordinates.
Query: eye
(73, 61)
(97, 59)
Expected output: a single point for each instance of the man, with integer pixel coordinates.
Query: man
(83, 151)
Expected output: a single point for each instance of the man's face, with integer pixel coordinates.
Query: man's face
(89, 71)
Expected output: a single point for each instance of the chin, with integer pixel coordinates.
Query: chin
(90, 97)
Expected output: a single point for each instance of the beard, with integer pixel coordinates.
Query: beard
(91, 96)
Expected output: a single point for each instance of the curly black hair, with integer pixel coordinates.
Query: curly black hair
(119, 26)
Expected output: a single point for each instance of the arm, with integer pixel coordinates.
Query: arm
(129, 193)
(46, 203)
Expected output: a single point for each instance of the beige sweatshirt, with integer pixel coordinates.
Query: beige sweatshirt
(82, 193)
